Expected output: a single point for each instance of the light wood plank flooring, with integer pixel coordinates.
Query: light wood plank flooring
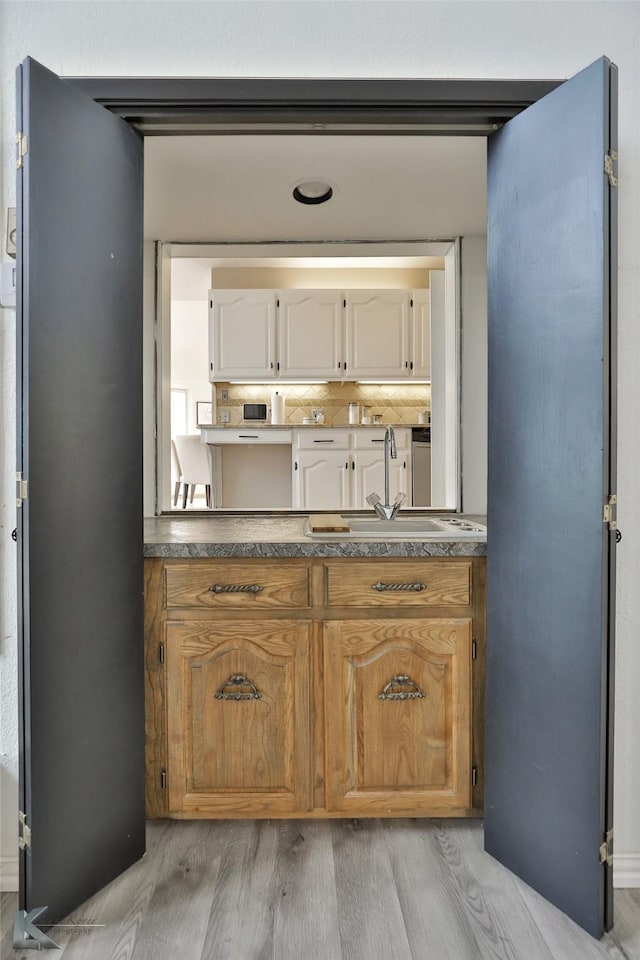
(325, 890)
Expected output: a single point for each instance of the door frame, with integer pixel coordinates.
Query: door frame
(316, 107)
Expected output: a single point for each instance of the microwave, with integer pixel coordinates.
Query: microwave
(254, 411)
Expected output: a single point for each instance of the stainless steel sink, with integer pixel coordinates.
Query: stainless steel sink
(408, 527)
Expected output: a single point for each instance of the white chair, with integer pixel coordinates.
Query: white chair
(176, 473)
(195, 467)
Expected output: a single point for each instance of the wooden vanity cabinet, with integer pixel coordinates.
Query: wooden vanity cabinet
(282, 687)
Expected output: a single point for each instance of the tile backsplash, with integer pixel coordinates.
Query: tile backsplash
(395, 403)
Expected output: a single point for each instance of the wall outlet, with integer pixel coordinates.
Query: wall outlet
(225, 416)
(224, 396)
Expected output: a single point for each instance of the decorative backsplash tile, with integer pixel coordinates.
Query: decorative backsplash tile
(395, 403)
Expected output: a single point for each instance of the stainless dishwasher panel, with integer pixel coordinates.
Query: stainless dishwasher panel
(421, 467)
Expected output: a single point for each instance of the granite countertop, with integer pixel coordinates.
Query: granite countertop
(262, 425)
(282, 536)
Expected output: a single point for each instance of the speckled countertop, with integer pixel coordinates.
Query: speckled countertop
(264, 425)
(282, 536)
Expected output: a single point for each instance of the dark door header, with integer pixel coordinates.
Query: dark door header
(336, 105)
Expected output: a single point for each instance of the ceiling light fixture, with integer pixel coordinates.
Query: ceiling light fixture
(312, 192)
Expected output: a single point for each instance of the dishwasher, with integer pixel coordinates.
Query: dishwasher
(421, 466)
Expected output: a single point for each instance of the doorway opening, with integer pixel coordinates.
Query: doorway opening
(415, 187)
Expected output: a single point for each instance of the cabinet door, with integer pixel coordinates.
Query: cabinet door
(238, 717)
(322, 480)
(377, 328)
(397, 716)
(421, 334)
(310, 333)
(369, 477)
(242, 333)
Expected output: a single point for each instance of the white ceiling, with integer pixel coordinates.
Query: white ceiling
(219, 188)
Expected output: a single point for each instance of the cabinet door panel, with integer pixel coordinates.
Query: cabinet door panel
(242, 329)
(310, 333)
(322, 481)
(421, 334)
(378, 333)
(397, 715)
(238, 716)
(369, 477)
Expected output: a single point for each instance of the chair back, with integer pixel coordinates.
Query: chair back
(176, 469)
(194, 459)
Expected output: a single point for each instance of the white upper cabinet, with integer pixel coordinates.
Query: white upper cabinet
(310, 333)
(329, 334)
(377, 329)
(242, 334)
(421, 334)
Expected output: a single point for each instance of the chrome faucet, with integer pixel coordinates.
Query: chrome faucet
(386, 510)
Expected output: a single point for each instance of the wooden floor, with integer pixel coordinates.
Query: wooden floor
(331, 890)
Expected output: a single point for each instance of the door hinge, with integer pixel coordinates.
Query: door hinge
(162, 653)
(163, 779)
(474, 649)
(24, 838)
(22, 147)
(606, 849)
(610, 512)
(610, 159)
(22, 489)
(474, 776)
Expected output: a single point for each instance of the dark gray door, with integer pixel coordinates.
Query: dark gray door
(80, 528)
(551, 470)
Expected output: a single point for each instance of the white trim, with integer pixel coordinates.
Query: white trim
(8, 874)
(626, 869)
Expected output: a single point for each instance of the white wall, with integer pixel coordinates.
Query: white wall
(189, 352)
(357, 39)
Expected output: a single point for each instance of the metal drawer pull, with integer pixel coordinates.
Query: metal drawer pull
(235, 588)
(416, 587)
(238, 680)
(402, 680)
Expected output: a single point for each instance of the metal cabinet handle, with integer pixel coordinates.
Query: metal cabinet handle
(324, 441)
(401, 680)
(416, 587)
(235, 588)
(238, 680)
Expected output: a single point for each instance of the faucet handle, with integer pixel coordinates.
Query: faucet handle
(400, 499)
(372, 499)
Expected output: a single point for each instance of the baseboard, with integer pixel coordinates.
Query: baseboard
(626, 869)
(8, 874)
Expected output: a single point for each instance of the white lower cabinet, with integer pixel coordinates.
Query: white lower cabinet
(368, 477)
(341, 479)
(321, 480)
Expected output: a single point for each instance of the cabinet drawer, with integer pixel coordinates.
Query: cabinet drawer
(248, 434)
(394, 584)
(318, 438)
(368, 439)
(240, 586)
